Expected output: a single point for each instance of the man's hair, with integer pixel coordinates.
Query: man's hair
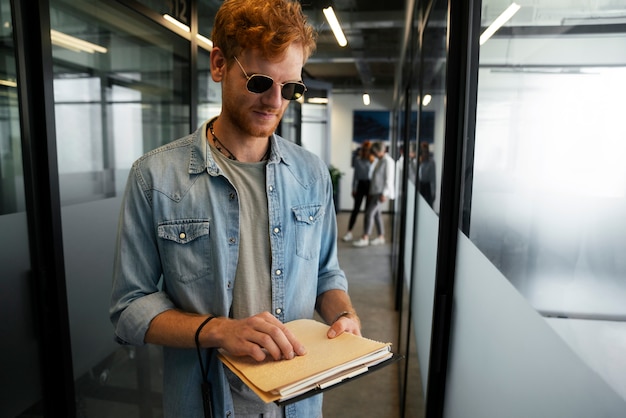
(269, 26)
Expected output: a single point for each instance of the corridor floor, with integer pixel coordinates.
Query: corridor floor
(370, 286)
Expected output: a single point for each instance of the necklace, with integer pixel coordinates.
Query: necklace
(221, 147)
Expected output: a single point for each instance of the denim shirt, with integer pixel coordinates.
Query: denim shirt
(177, 248)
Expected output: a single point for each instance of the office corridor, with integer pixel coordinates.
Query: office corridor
(372, 290)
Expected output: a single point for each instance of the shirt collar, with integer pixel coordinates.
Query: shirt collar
(201, 156)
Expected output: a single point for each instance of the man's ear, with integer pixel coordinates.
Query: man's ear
(218, 64)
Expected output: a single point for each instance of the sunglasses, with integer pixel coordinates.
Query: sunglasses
(259, 83)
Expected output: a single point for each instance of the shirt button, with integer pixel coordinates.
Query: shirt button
(232, 240)
(271, 188)
(182, 235)
(278, 272)
(279, 311)
(310, 218)
(276, 230)
(231, 196)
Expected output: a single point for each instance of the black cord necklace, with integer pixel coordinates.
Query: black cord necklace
(221, 147)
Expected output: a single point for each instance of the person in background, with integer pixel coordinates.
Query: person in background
(360, 183)
(229, 232)
(427, 174)
(382, 188)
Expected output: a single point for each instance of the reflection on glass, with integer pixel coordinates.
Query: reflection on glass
(422, 219)
(113, 104)
(550, 181)
(209, 92)
(549, 191)
(11, 172)
(19, 364)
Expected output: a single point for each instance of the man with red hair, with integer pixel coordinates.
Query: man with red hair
(230, 232)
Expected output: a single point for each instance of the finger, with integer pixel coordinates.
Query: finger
(344, 324)
(280, 342)
(292, 346)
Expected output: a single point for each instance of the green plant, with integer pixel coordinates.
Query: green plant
(335, 176)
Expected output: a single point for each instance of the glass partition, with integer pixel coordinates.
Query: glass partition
(20, 361)
(125, 93)
(549, 191)
(423, 190)
(121, 88)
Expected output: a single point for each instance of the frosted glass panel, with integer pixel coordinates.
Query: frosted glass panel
(549, 192)
(547, 212)
(424, 282)
(505, 359)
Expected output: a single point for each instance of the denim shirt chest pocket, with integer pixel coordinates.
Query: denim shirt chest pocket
(185, 246)
(308, 230)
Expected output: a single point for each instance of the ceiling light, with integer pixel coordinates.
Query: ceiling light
(500, 20)
(8, 83)
(427, 99)
(317, 100)
(77, 45)
(366, 99)
(176, 22)
(334, 25)
(204, 42)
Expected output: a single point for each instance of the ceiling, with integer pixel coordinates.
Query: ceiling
(374, 30)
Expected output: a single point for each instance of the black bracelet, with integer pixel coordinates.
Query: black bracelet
(197, 339)
(342, 314)
(207, 392)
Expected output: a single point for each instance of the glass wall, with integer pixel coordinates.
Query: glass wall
(550, 181)
(20, 377)
(539, 315)
(427, 111)
(121, 88)
(126, 93)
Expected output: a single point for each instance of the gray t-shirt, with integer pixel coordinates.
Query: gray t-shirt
(252, 293)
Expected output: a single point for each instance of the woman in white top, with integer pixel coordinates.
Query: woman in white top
(382, 188)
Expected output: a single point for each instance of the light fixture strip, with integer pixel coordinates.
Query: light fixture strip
(500, 20)
(204, 42)
(8, 83)
(366, 99)
(335, 26)
(74, 44)
(176, 23)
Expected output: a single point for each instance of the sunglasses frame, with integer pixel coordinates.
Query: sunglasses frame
(282, 85)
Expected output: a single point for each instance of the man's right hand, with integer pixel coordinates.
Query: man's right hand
(257, 336)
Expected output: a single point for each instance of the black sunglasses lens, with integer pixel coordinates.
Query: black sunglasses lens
(259, 83)
(292, 91)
